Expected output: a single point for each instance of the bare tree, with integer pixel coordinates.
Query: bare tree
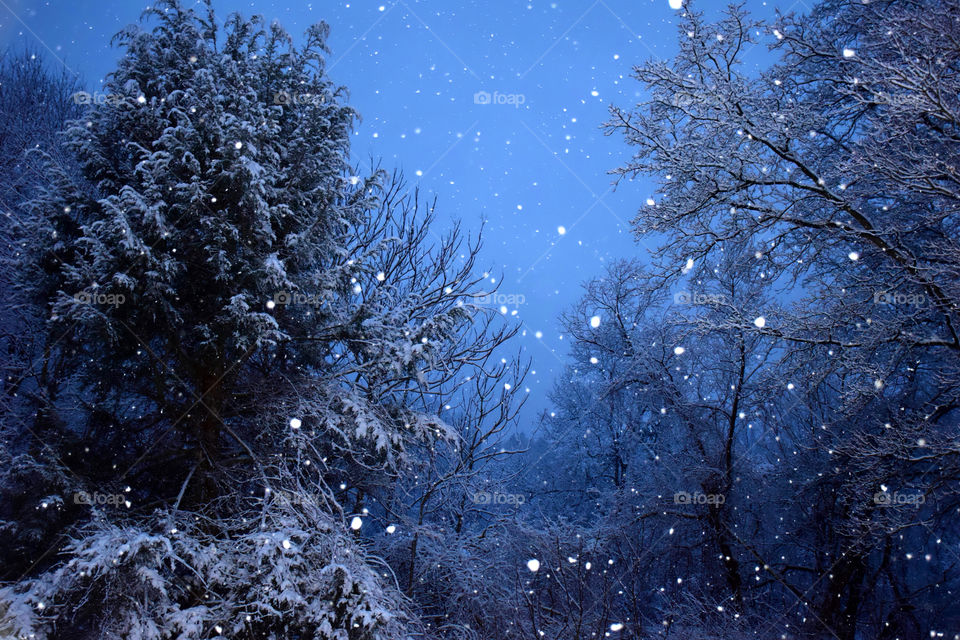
(836, 165)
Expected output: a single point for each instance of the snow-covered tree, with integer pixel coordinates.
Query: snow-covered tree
(35, 104)
(254, 329)
(837, 165)
(655, 430)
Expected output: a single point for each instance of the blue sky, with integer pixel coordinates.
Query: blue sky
(531, 160)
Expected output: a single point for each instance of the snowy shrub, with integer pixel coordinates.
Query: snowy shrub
(279, 573)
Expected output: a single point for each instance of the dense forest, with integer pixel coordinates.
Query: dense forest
(248, 390)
